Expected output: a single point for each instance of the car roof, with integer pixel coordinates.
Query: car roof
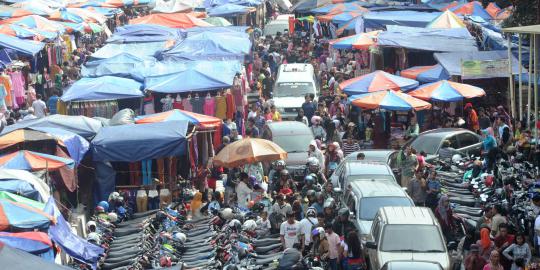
(407, 215)
(377, 189)
(444, 132)
(304, 73)
(288, 128)
(413, 265)
(361, 167)
(372, 155)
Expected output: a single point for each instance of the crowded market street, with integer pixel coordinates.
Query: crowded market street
(269, 134)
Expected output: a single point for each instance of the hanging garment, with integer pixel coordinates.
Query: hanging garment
(209, 106)
(197, 105)
(148, 105)
(17, 88)
(221, 107)
(147, 172)
(5, 80)
(135, 173)
(187, 104)
(161, 169)
(178, 105)
(231, 108)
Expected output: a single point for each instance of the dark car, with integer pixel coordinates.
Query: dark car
(411, 265)
(463, 140)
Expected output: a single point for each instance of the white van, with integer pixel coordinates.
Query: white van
(292, 84)
(280, 24)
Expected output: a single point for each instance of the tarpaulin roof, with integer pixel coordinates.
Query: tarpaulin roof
(210, 46)
(20, 199)
(132, 143)
(143, 33)
(109, 12)
(23, 176)
(340, 18)
(78, 124)
(473, 8)
(15, 215)
(452, 61)
(438, 40)
(27, 47)
(31, 242)
(447, 20)
(425, 74)
(174, 20)
(22, 260)
(173, 6)
(9, 12)
(179, 115)
(36, 7)
(358, 41)
(103, 88)
(37, 22)
(192, 79)
(306, 5)
(73, 245)
(139, 49)
(218, 21)
(119, 65)
(20, 187)
(376, 81)
(389, 100)
(238, 31)
(76, 145)
(163, 68)
(341, 7)
(228, 10)
(380, 19)
(83, 27)
(26, 33)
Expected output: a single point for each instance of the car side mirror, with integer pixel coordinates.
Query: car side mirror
(371, 245)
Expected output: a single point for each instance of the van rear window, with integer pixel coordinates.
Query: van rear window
(293, 89)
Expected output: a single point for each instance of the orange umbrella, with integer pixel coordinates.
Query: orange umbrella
(247, 151)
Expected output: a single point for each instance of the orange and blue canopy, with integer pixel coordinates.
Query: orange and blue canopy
(34, 161)
(389, 100)
(32, 242)
(36, 22)
(376, 81)
(11, 12)
(14, 215)
(179, 115)
(446, 20)
(360, 41)
(473, 8)
(447, 91)
(426, 74)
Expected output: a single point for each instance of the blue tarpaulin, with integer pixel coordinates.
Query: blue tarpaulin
(75, 246)
(380, 19)
(239, 31)
(428, 39)
(138, 49)
(102, 88)
(76, 145)
(120, 65)
(525, 78)
(20, 187)
(228, 10)
(78, 124)
(210, 46)
(27, 47)
(452, 61)
(143, 33)
(214, 3)
(167, 67)
(132, 143)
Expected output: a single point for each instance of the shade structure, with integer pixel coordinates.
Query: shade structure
(14, 215)
(31, 242)
(32, 181)
(247, 151)
(26, 33)
(102, 88)
(336, 8)
(360, 41)
(20, 199)
(447, 91)
(306, 5)
(81, 125)
(144, 33)
(36, 7)
(22, 136)
(229, 10)
(188, 80)
(179, 115)
(425, 74)
(446, 20)
(36, 22)
(473, 8)
(34, 161)
(389, 100)
(84, 27)
(218, 21)
(11, 12)
(120, 65)
(173, 20)
(376, 81)
(21, 260)
(340, 18)
(96, 3)
(64, 15)
(210, 46)
(24, 47)
(105, 11)
(493, 9)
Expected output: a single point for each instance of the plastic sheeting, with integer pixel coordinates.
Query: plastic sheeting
(102, 88)
(78, 124)
(437, 40)
(173, 6)
(37, 184)
(20, 187)
(132, 143)
(76, 145)
(167, 67)
(138, 49)
(143, 33)
(120, 65)
(452, 61)
(174, 20)
(210, 46)
(26, 47)
(380, 19)
(228, 10)
(17, 259)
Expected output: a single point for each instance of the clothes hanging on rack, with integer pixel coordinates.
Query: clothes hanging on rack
(186, 103)
(17, 82)
(221, 107)
(5, 80)
(209, 106)
(197, 105)
(231, 108)
(104, 109)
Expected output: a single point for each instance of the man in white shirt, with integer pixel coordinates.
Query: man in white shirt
(290, 232)
(39, 106)
(243, 191)
(308, 223)
(30, 115)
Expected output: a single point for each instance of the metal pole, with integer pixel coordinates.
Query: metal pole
(510, 77)
(535, 82)
(529, 95)
(520, 86)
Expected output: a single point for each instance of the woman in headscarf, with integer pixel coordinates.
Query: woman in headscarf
(315, 152)
(196, 205)
(443, 212)
(486, 246)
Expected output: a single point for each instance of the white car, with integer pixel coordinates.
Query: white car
(292, 84)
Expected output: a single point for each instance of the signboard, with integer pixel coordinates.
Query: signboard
(473, 69)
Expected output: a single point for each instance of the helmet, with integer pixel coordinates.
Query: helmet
(310, 193)
(99, 209)
(249, 225)
(313, 161)
(160, 216)
(279, 163)
(329, 202)
(235, 224)
(343, 212)
(242, 254)
(317, 231)
(309, 179)
(89, 226)
(285, 172)
(105, 205)
(180, 237)
(311, 212)
(456, 158)
(227, 213)
(94, 238)
(114, 196)
(113, 217)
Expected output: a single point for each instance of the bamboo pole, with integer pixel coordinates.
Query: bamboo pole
(529, 92)
(520, 81)
(510, 79)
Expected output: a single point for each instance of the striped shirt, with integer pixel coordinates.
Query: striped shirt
(349, 148)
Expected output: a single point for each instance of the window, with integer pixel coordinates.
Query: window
(412, 238)
(369, 206)
(467, 139)
(453, 142)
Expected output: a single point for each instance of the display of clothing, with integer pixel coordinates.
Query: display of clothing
(209, 106)
(197, 105)
(104, 109)
(5, 80)
(18, 92)
(177, 104)
(148, 105)
(142, 201)
(186, 103)
(231, 108)
(221, 107)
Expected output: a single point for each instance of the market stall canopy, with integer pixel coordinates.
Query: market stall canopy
(210, 46)
(18, 216)
(78, 124)
(140, 49)
(11, 12)
(50, 3)
(37, 22)
(380, 19)
(493, 9)
(160, 70)
(22, 136)
(341, 7)
(143, 33)
(31, 242)
(447, 20)
(341, 18)
(389, 100)
(447, 91)
(307, 5)
(74, 245)
(34, 161)
(20, 199)
(120, 65)
(426, 74)
(21, 260)
(76, 145)
(229, 10)
(473, 8)
(64, 15)
(96, 3)
(179, 115)
(36, 7)
(173, 20)
(108, 12)
(26, 33)
(173, 6)
(452, 62)
(132, 143)
(218, 21)
(436, 40)
(102, 88)
(376, 81)
(23, 176)
(20, 187)
(25, 47)
(84, 27)
(249, 150)
(360, 41)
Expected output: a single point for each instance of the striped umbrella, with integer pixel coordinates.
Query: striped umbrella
(14, 215)
(360, 41)
(473, 8)
(11, 12)
(34, 161)
(446, 20)
(341, 18)
(447, 91)
(36, 22)
(389, 100)
(377, 81)
(426, 74)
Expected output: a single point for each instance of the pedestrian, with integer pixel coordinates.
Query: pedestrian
(494, 262)
(486, 246)
(318, 131)
(472, 118)
(342, 225)
(412, 130)
(519, 250)
(315, 152)
(474, 261)
(351, 252)
(243, 190)
(308, 107)
(417, 189)
(408, 164)
(444, 215)
(350, 146)
(503, 131)
(52, 102)
(263, 225)
(497, 218)
(290, 232)
(332, 159)
(300, 117)
(433, 190)
(333, 247)
(39, 106)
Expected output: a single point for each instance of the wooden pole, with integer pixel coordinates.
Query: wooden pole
(529, 92)
(510, 79)
(519, 78)
(535, 82)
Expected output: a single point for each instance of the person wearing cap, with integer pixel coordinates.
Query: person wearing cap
(472, 118)
(474, 261)
(342, 225)
(290, 232)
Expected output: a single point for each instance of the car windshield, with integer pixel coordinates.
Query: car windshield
(293, 144)
(370, 205)
(427, 144)
(412, 238)
(293, 89)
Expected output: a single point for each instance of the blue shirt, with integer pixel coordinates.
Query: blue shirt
(433, 184)
(51, 104)
(489, 143)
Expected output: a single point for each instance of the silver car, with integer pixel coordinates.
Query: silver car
(463, 140)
